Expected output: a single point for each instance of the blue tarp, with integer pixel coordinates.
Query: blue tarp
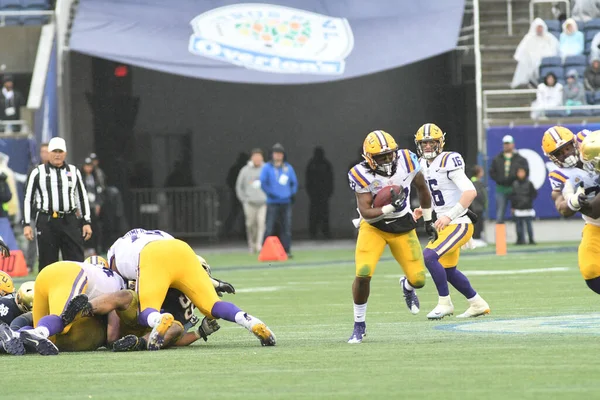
(282, 42)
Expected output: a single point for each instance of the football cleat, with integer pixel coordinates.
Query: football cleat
(443, 309)
(79, 303)
(130, 343)
(360, 331)
(157, 336)
(261, 331)
(41, 344)
(11, 344)
(477, 308)
(410, 296)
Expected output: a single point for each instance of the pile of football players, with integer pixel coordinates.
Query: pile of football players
(142, 298)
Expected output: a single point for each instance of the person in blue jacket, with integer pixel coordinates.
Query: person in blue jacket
(278, 180)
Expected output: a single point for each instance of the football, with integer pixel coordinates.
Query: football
(384, 197)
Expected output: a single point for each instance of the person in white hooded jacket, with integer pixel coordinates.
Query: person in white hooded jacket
(253, 199)
(536, 44)
(549, 95)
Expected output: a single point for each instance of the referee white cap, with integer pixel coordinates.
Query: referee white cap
(57, 143)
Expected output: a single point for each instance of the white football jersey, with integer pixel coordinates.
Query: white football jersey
(444, 192)
(126, 250)
(577, 177)
(101, 280)
(363, 180)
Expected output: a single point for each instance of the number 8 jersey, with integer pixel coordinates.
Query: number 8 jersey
(444, 192)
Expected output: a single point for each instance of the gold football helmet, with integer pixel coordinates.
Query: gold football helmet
(558, 144)
(7, 285)
(380, 151)
(430, 133)
(24, 297)
(590, 151)
(97, 260)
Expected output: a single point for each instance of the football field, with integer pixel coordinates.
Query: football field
(540, 342)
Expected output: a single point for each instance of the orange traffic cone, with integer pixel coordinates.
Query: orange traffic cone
(272, 250)
(14, 265)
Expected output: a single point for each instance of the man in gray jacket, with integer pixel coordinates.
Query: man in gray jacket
(254, 200)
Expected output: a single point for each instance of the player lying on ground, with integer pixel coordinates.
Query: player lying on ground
(55, 286)
(452, 193)
(389, 224)
(575, 188)
(158, 261)
(14, 308)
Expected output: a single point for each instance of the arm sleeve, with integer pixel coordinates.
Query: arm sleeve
(32, 184)
(461, 180)
(83, 198)
(239, 185)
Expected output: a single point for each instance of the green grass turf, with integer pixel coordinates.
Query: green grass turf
(308, 305)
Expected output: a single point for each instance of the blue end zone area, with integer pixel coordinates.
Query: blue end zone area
(580, 324)
(528, 142)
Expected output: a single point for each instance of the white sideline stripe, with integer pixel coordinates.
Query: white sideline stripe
(500, 272)
(258, 289)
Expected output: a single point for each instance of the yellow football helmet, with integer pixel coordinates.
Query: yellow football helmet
(24, 297)
(380, 151)
(430, 133)
(97, 260)
(7, 285)
(558, 144)
(590, 151)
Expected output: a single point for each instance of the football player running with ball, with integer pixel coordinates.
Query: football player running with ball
(393, 224)
(452, 193)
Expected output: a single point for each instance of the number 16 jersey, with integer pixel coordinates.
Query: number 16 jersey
(444, 192)
(126, 250)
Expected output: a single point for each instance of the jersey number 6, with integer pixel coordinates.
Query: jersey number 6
(438, 198)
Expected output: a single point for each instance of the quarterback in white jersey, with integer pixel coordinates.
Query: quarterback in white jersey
(575, 187)
(452, 193)
(54, 287)
(390, 225)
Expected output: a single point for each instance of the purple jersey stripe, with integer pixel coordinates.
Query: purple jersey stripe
(362, 176)
(458, 233)
(355, 180)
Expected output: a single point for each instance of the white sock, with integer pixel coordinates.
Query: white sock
(360, 312)
(475, 298)
(444, 300)
(153, 319)
(407, 285)
(42, 330)
(243, 319)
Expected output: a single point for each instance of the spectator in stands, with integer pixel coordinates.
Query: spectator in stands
(571, 39)
(278, 181)
(536, 44)
(11, 102)
(592, 75)
(98, 172)
(595, 47)
(479, 205)
(521, 199)
(573, 91)
(253, 199)
(549, 95)
(95, 196)
(503, 171)
(319, 187)
(585, 10)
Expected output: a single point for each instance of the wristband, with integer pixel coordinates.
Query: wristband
(388, 209)
(427, 214)
(197, 333)
(456, 211)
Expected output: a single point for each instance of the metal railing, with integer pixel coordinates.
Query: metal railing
(532, 4)
(17, 126)
(24, 13)
(183, 212)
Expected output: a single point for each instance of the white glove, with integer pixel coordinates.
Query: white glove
(574, 200)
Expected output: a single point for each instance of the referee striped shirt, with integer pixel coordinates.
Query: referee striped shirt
(59, 189)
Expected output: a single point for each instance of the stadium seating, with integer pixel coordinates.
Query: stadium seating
(551, 62)
(558, 71)
(553, 25)
(42, 5)
(10, 5)
(592, 24)
(575, 61)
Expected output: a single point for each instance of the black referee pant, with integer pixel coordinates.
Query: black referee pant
(54, 234)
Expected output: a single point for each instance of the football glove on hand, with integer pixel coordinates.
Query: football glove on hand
(472, 216)
(208, 327)
(222, 287)
(397, 198)
(4, 250)
(432, 233)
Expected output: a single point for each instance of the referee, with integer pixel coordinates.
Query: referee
(57, 189)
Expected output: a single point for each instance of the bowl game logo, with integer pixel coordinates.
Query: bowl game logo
(273, 38)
